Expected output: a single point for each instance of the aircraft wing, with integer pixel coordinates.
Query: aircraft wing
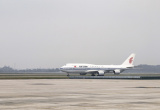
(91, 71)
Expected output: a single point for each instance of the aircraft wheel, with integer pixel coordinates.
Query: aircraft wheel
(93, 75)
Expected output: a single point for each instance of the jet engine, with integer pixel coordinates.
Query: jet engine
(100, 73)
(117, 71)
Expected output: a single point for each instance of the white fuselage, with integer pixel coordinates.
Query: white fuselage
(85, 68)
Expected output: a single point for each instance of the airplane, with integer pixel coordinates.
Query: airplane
(99, 70)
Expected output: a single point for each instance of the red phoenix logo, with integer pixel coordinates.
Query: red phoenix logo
(131, 60)
(74, 66)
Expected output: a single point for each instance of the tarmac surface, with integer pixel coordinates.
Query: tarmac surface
(79, 94)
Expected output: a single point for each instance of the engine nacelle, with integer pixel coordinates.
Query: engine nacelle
(83, 73)
(117, 71)
(100, 73)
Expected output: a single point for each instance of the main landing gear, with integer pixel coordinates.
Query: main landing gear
(93, 74)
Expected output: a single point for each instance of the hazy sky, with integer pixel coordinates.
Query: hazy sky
(50, 33)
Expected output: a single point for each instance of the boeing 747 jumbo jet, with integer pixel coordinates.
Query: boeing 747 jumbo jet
(100, 70)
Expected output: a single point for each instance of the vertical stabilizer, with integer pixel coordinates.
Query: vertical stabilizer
(129, 61)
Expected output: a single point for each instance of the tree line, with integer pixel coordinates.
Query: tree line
(143, 68)
(8, 69)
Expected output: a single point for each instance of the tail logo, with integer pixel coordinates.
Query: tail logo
(131, 60)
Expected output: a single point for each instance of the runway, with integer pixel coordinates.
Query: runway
(79, 94)
(114, 77)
